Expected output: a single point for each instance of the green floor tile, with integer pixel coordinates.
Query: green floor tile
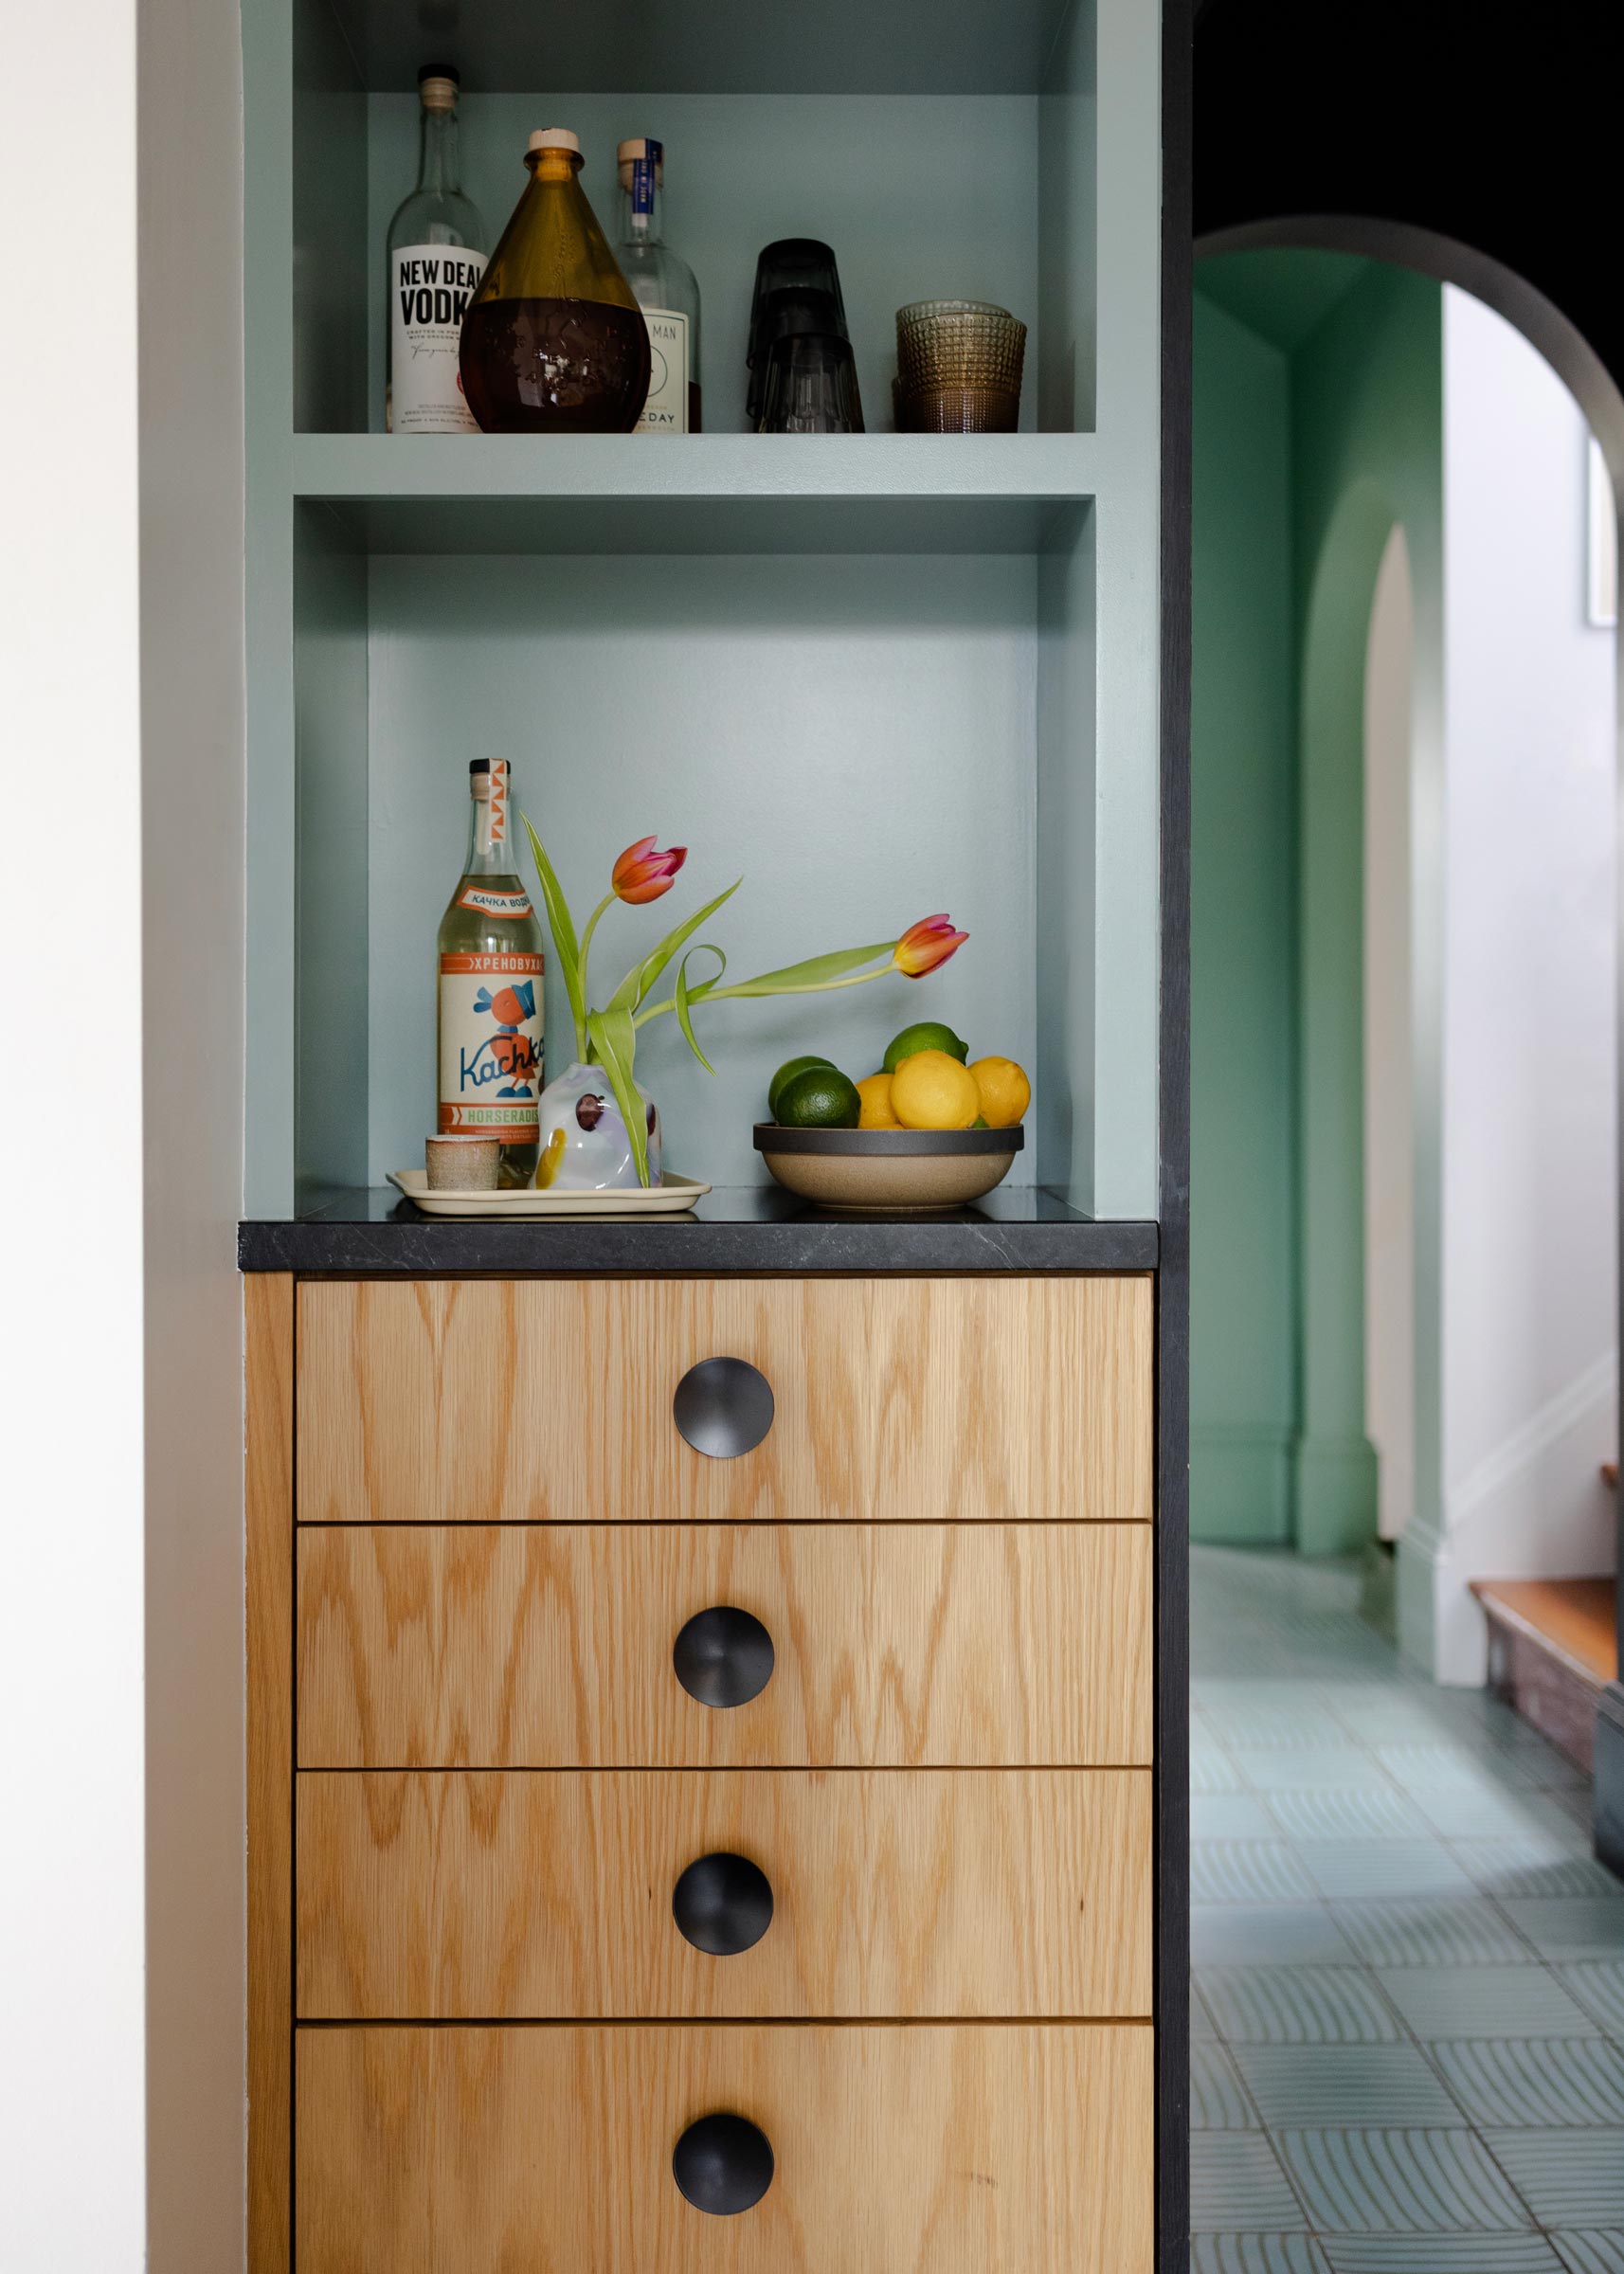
(1319, 2086)
(1398, 2181)
(1568, 2178)
(1520, 2081)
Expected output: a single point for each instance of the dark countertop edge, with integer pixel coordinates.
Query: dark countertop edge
(684, 1247)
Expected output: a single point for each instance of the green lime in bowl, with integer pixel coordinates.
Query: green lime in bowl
(819, 1097)
(786, 1075)
(927, 1034)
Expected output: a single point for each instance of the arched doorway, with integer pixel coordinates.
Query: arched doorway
(1331, 1228)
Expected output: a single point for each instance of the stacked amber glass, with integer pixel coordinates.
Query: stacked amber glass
(957, 368)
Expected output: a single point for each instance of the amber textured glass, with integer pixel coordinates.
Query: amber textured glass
(554, 342)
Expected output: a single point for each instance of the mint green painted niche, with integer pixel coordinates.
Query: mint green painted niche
(1242, 1174)
(1368, 451)
(1318, 425)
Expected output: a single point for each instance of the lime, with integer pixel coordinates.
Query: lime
(929, 1033)
(819, 1097)
(786, 1075)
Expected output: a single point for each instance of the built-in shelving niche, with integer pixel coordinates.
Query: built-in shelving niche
(876, 677)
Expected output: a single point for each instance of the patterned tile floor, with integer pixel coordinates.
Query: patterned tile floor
(1408, 2017)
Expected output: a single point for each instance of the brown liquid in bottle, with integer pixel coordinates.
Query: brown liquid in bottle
(555, 366)
(553, 342)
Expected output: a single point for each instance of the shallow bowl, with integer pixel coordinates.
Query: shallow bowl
(888, 1172)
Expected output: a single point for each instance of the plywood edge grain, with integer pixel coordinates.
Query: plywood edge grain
(269, 1346)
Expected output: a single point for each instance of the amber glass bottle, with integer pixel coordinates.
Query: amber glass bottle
(554, 341)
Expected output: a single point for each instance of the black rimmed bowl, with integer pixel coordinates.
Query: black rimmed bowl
(888, 1172)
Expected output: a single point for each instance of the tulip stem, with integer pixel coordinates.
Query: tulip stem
(607, 901)
(753, 987)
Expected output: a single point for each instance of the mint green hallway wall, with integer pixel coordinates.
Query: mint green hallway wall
(1318, 425)
(1242, 1182)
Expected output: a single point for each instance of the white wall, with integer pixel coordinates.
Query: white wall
(1529, 1147)
(1389, 1026)
(72, 1915)
(192, 737)
(121, 1031)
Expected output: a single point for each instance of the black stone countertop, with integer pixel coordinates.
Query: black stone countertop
(376, 1234)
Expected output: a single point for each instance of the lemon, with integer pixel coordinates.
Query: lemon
(784, 1076)
(875, 1092)
(819, 1097)
(1003, 1089)
(928, 1034)
(931, 1091)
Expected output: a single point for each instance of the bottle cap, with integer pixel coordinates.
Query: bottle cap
(554, 137)
(640, 146)
(436, 86)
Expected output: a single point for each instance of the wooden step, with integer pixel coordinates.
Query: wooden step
(1553, 1646)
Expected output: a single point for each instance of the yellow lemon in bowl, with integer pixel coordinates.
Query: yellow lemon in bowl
(931, 1091)
(1004, 1090)
(877, 1112)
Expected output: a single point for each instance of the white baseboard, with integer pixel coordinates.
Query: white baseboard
(1535, 1509)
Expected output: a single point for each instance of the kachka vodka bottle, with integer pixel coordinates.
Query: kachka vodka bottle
(435, 259)
(491, 1057)
(667, 292)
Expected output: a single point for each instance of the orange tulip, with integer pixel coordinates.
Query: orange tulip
(924, 945)
(642, 873)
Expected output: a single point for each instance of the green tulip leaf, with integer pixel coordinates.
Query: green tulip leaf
(817, 971)
(562, 926)
(686, 996)
(615, 1043)
(634, 989)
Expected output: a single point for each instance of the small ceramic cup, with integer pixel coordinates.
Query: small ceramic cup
(462, 1162)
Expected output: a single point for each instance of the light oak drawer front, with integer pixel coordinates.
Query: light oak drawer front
(544, 1646)
(552, 1402)
(894, 2150)
(489, 1895)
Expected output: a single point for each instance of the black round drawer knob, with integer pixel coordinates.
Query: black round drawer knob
(723, 1656)
(723, 2164)
(722, 1903)
(723, 1407)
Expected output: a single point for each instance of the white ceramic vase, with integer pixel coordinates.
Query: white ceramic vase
(584, 1143)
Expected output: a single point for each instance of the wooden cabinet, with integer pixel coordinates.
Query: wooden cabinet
(918, 2150)
(492, 1895)
(545, 1886)
(894, 1645)
(549, 1401)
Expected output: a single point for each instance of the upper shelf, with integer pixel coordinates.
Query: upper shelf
(723, 493)
(726, 46)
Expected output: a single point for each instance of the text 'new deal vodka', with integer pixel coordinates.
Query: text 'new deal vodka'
(435, 259)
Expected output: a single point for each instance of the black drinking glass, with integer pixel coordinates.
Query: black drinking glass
(811, 387)
(799, 266)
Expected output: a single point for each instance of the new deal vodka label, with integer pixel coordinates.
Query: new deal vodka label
(431, 287)
(433, 267)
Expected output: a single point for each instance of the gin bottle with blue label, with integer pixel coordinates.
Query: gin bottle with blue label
(666, 289)
(491, 1068)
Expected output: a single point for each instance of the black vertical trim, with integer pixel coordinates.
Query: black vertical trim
(293, 1791)
(1173, 1278)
